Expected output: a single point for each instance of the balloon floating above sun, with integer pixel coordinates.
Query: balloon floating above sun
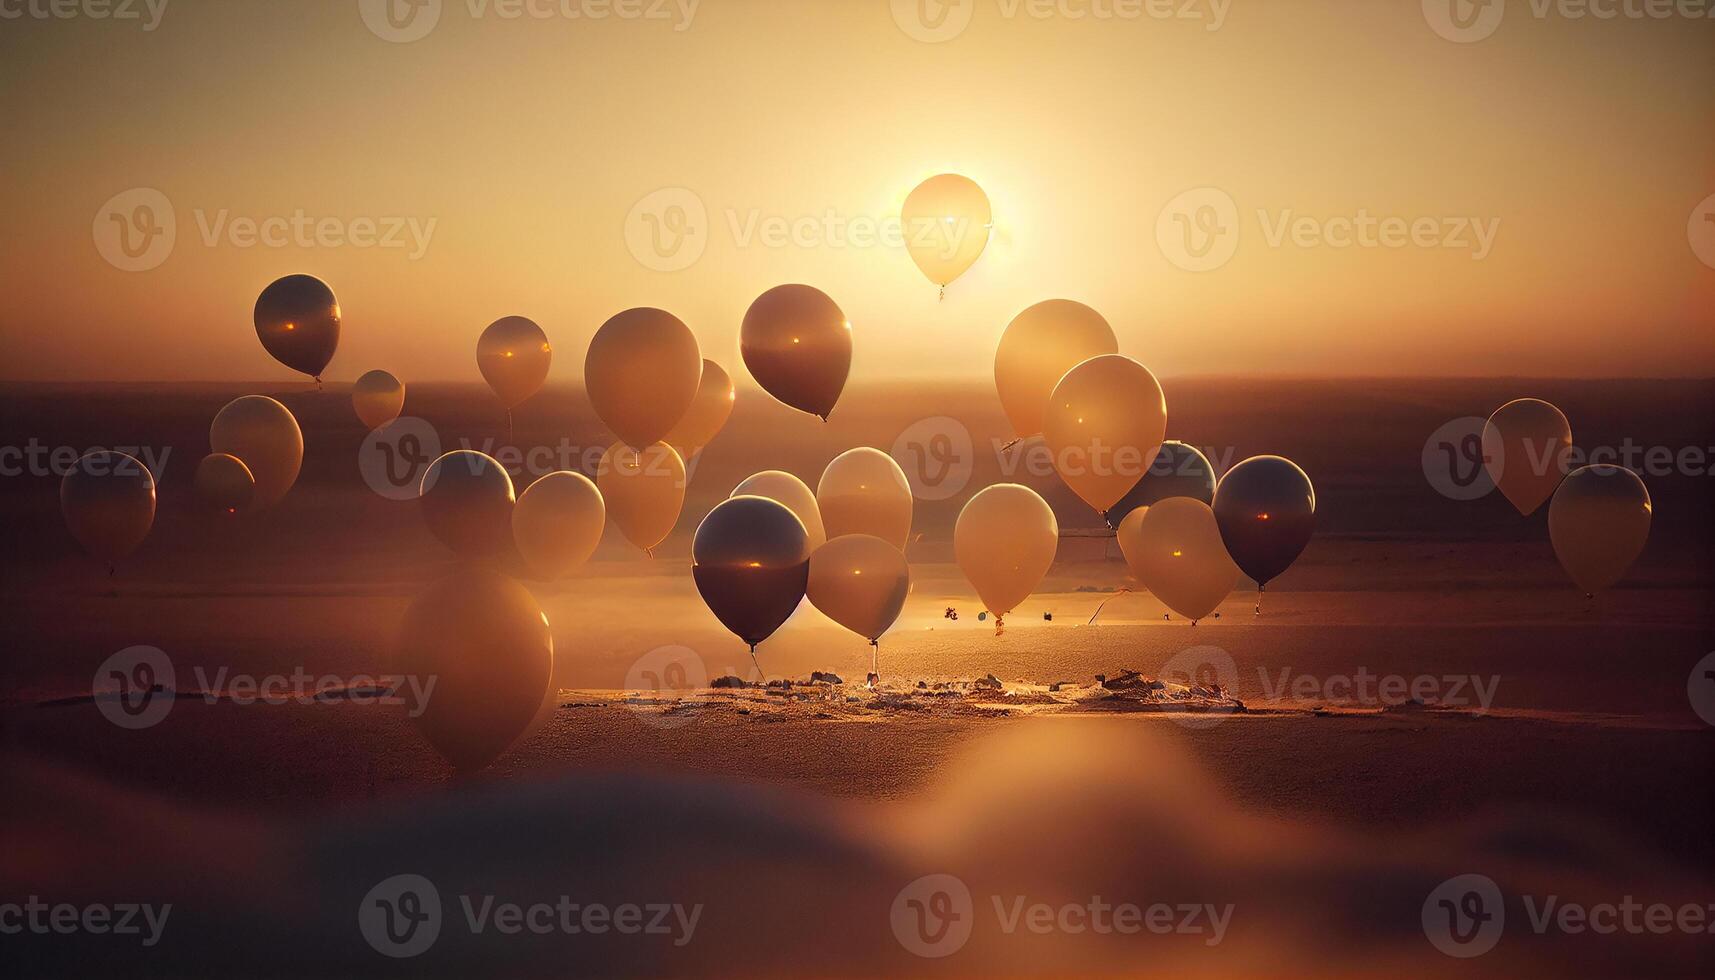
(946, 221)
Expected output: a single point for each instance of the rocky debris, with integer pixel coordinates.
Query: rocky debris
(825, 677)
(1129, 680)
(730, 681)
(1057, 685)
(988, 681)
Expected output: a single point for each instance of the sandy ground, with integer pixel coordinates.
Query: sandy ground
(1556, 750)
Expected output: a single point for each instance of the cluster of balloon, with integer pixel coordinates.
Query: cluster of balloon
(1175, 549)
(750, 560)
(860, 582)
(1598, 523)
(1004, 541)
(947, 220)
(467, 500)
(261, 434)
(108, 500)
(1599, 517)
(708, 413)
(378, 397)
(863, 491)
(1520, 432)
(484, 644)
(797, 344)
(513, 355)
(1104, 419)
(644, 490)
(642, 373)
(1266, 510)
(297, 320)
(557, 523)
(1179, 470)
(1037, 349)
(781, 486)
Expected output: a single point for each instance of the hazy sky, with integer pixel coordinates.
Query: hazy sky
(1545, 181)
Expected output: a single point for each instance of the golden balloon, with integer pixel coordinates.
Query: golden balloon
(946, 222)
(1039, 346)
(750, 560)
(642, 373)
(797, 344)
(467, 498)
(860, 582)
(708, 413)
(1176, 552)
(791, 491)
(1004, 541)
(863, 491)
(644, 491)
(377, 398)
(261, 432)
(1104, 422)
(1524, 447)
(557, 522)
(513, 355)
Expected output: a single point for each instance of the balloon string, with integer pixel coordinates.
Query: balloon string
(757, 664)
(1011, 444)
(1260, 586)
(1104, 604)
(874, 654)
(509, 426)
(943, 297)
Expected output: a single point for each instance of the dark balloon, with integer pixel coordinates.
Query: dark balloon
(798, 346)
(483, 643)
(297, 320)
(1179, 470)
(751, 562)
(467, 501)
(1266, 509)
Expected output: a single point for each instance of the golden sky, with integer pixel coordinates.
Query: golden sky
(1553, 173)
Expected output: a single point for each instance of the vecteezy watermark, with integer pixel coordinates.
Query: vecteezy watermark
(40, 918)
(1461, 464)
(148, 13)
(936, 455)
(1199, 230)
(394, 457)
(403, 21)
(665, 674)
(668, 230)
(1700, 689)
(36, 458)
(935, 915)
(934, 21)
(136, 230)
(1370, 690)
(136, 687)
(1465, 916)
(402, 917)
(1700, 231)
(1468, 21)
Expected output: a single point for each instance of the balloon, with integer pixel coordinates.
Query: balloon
(644, 491)
(513, 355)
(1004, 541)
(1266, 509)
(1523, 446)
(708, 412)
(1179, 470)
(946, 223)
(108, 499)
(798, 346)
(1039, 346)
(261, 432)
(750, 559)
(297, 320)
(863, 491)
(225, 482)
(467, 501)
(1598, 522)
(642, 372)
(1175, 549)
(791, 491)
(1103, 425)
(377, 397)
(484, 643)
(557, 522)
(860, 582)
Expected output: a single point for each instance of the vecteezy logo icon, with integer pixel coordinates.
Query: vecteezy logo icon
(933, 916)
(668, 229)
(1464, 21)
(401, 916)
(937, 456)
(1207, 667)
(1455, 461)
(667, 672)
(134, 688)
(1700, 687)
(1198, 231)
(392, 458)
(1701, 231)
(400, 21)
(135, 230)
(1464, 916)
(933, 21)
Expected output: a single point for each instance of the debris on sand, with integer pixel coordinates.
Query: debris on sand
(988, 681)
(729, 681)
(825, 677)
